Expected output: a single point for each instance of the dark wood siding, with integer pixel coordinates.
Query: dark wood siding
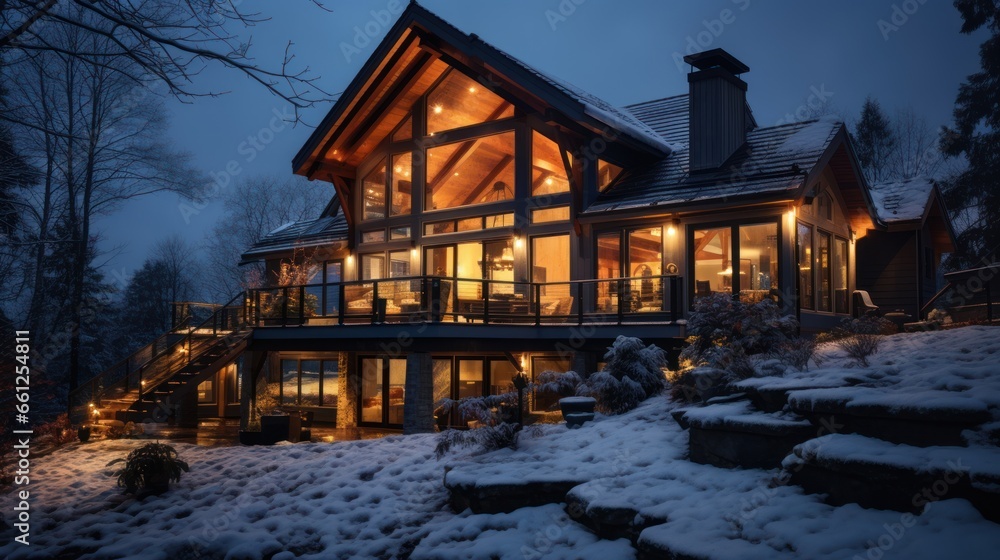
(888, 267)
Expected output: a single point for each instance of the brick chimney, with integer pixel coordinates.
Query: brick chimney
(716, 108)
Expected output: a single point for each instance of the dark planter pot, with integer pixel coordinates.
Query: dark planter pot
(570, 405)
(83, 433)
(250, 438)
(577, 410)
(273, 429)
(155, 485)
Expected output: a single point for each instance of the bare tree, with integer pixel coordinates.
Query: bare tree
(167, 41)
(253, 208)
(100, 136)
(916, 152)
(182, 267)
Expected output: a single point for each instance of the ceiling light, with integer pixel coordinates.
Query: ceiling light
(438, 109)
(472, 90)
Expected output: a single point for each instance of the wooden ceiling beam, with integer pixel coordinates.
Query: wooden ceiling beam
(488, 180)
(344, 193)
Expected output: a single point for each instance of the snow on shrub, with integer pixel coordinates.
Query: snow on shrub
(489, 410)
(860, 338)
(561, 384)
(730, 336)
(629, 358)
(613, 395)
(485, 439)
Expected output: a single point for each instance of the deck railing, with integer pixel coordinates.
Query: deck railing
(442, 299)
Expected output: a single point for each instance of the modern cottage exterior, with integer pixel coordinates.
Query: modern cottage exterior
(489, 219)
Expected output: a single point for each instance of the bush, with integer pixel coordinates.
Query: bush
(128, 430)
(859, 338)
(485, 439)
(490, 410)
(150, 468)
(613, 395)
(629, 358)
(562, 384)
(727, 335)
(58, 431)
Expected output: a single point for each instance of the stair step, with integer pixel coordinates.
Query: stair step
(732, 435)
(936, 418)
(874, 473)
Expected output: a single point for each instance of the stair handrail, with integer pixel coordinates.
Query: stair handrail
(189, 337)
(156, 348)
(97, 391)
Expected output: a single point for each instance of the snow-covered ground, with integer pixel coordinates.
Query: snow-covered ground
(386, 499)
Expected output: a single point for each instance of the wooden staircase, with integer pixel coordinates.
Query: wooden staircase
(145, 386)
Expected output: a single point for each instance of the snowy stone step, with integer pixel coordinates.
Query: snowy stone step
(733, 435)
(505, 497)
(924, 418)
(608, 522)
(874, 473)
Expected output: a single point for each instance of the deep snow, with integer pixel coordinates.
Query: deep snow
(385, 498)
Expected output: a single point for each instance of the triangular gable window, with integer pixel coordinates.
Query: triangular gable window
(459, 101)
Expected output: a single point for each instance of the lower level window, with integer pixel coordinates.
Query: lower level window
(309, 382)
(206, 391)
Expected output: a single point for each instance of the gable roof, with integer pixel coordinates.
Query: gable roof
(294, 235)
(902, 201)
(774, 161)
(565, 98)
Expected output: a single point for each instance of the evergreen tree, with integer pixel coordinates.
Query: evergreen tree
(975, 193)
(874, 142)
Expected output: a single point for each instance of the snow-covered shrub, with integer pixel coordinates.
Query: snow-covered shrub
(728, 335)
(58, 432)
(561, 384)
(613, 395)
(939, 317)
(486, 438)
(629, 358)
(860, 338)
(489, 410)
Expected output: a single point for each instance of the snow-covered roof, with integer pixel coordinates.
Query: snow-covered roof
(305, 233)
(902, 201)
(773, 161)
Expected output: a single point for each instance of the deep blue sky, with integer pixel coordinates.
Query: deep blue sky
(621, 51)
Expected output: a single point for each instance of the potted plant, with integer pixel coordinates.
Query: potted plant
(149, 469)
(251, 435)
(83, 433)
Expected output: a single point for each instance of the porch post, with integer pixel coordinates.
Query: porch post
(418, 403)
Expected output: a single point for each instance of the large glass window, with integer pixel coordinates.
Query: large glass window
(645, 258)
(608, 266)
(459, 101)
(371, 390)
(502, 374)
(539, 365)
(713, 265)
(331, 383)
(289, 382)
(550, 263)
(309, 382)
(402, 184)
(758, 257)
(206, 391)
(442, 380)
(334, 275)
(823, 262)
(472, 172)
(805, 257)
(310, 378)
(373, 193)
(840, 276)
(470, 378)
(373, 266)
(548, 173)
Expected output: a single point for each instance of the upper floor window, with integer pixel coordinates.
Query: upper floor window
(373, 191)
(461, 101)
(472, 172)
(607, 172)
(548, 172)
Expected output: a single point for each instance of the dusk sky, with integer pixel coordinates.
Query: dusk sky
(904, 53)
